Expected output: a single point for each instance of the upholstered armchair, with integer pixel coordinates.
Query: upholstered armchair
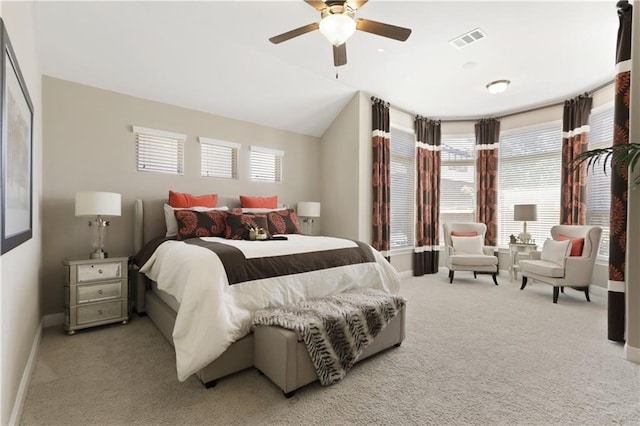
(567, 260)
(466, 250)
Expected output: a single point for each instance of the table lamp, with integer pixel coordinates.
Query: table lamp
(525, 212)
(92, 203)
(308, 210)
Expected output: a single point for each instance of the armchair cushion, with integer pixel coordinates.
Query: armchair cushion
(555, 251)
(472, 260)
(577, 244)
(467, 245)
(543, 267)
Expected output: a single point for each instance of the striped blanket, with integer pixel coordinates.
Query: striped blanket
(335, 329)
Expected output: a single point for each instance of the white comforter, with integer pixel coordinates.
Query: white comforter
(214, 314)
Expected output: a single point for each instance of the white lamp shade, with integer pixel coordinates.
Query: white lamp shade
(525, 212)
(337, 28)
(92, 203)
(308, 209)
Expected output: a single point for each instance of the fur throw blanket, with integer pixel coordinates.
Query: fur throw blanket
(336, 329)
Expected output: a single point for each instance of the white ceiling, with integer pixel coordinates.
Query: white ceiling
(215, 56)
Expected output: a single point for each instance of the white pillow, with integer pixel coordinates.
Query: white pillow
(172, 223)
(467, 245)
(260, 210)
(555, 251)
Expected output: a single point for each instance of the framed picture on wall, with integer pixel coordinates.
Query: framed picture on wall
(16, 122)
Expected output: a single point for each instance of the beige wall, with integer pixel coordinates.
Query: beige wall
(89, 145)
(339, 154)
(21, 266)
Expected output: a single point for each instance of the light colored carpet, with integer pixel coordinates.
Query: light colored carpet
(474, 354)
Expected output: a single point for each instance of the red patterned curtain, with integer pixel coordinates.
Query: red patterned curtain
(575, 129)
(381, 176)
(487, 137)
(619, 181)
(426, 252)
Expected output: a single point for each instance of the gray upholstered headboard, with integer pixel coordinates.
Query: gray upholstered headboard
(149, 218)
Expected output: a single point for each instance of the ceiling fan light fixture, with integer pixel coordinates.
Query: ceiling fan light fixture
(498, 86)
(337, 28)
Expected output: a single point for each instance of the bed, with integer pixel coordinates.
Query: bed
(205, 310)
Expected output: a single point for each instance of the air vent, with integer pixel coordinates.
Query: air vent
(467, 38)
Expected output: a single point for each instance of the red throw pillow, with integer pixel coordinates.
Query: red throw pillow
(237, 225)
(192, 224)
(577, 244)
(283, 222)
(259, 202)
(463, 234)
(183, 200)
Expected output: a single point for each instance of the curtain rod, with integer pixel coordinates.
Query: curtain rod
(465, 120)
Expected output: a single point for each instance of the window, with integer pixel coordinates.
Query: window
(457, 180)
(599, 183)
(529, 173)
(266, 164)
(218, 158)
(402, 187)
(159, 151)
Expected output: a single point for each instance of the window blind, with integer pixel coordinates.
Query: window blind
(599, 183)
(218, 159)
(529, 173)
(159, 151)
(457, 179)
(266, 164)
(402, 187)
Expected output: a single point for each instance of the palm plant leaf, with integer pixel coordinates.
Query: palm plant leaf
(623, 156)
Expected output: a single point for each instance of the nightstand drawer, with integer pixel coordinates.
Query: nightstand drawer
(96, 312)
(96, 292)
(99, 271)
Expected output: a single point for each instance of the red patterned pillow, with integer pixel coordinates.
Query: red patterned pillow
(191, 223)
(283, 222)
(184, 200)
(237, 225)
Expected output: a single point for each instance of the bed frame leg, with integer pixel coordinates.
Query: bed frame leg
(210, 384)
(288, 394)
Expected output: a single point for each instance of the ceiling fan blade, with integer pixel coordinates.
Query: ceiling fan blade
(294, 33)
(385, 30)
(340, 55)
(317, 4)
(356, 4)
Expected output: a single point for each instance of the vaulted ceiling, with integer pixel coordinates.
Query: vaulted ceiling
(215, 56)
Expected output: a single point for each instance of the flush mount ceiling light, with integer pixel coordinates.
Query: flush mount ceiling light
(498, 86)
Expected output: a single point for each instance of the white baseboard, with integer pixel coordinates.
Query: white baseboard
(632, 354)
(21, 395)
(405, 274)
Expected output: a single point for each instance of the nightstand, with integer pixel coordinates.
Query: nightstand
(96, 292)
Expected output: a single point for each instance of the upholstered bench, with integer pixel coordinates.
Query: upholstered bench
(281, 355)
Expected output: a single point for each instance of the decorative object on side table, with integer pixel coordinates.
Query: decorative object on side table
(308, 210)
(16, 155)
(525, 212)
(96, 292)
(92, 203)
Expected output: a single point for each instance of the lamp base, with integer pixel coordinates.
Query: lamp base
(98, 254)
(524, 237)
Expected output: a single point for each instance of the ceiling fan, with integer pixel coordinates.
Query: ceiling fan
(337, 24)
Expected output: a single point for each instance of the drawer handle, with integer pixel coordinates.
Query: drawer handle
(99, 271)
(99, 311)
(100, 291)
